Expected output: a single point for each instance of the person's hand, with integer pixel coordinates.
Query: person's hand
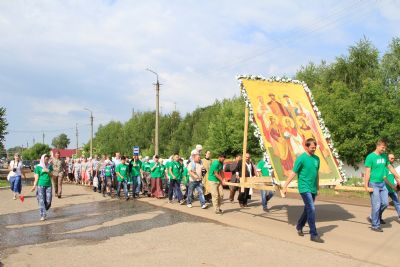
(369, 189)
(33, 188)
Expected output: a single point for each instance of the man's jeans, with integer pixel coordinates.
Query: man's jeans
(174, 187)
(396, 203)
(266, 195)
(379, 202)
(124, 184)
(136, 184)
(199, 187)
(308, 213)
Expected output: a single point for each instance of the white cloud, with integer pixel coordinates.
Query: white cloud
(73, 54)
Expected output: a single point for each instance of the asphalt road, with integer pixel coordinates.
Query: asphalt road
(84, 228)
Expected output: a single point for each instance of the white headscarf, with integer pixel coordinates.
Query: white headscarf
(42, 164)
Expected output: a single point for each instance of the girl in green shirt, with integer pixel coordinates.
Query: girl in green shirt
(42, 185)
(156, 172)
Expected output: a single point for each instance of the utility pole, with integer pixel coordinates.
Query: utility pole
(157, 111)
(91, 136)
(175, 106)
(77, 135)
(33, 141)
(43, 138)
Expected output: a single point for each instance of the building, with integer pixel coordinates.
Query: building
(64, 153)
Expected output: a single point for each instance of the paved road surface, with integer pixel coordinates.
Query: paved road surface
(84, 228)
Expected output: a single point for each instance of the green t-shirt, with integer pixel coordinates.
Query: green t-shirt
(378, 165)
(262, 166)
(107, 171)
(186, 176)
(44, 177)
(167, 166)
(176, 169)
(306, 167)
(136, 166)
(146, 166)
(157, 172)
(216, 166)
(122, 169)
(390, 178)
(162, 170)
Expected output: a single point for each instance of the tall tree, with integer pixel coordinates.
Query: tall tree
(61, 142)
(36, 151)
(3, 126)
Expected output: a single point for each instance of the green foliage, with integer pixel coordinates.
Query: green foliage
(35, 152)
(358, 102)
(61, 142)
(219, 128)
(3, 126)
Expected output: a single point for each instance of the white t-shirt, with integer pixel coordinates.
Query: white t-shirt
(18, 166)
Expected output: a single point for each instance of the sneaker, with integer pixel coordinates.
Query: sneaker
(266, 209)
(383, 222)
(204, 206)
(218, 212)
(317, 239)
(169, 201)
(43, 219)
(300, 232)
(378, 229)
(14, 197)
(181, 202)
(189, 205)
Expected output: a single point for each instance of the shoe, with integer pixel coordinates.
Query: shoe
(383, 222)
(14, 197)
(317, 239)
(127, 198)
(218, 212)
(369, 220)
(169, 201)
(43, 219)
(378, 229)
(266, 209)
(241, 205)
(189, 205)
(181, 202)
(104, 195)
(204, 206)
(245, 205)
(232, 201)
(300, 232)
(59, 196)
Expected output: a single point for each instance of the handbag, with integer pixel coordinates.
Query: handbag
(10, 174)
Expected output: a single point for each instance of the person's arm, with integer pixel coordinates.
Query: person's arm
(193, 173)
(35, 182)
(289, 179)
(170, 172)
(219, 176)
(155, 166)
(396, 175)
(366, 180)
(389, 183)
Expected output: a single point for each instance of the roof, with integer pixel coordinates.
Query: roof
(63, 152)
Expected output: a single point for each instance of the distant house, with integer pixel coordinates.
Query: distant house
(64, 153)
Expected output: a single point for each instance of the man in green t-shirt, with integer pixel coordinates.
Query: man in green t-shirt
(122, 177)
(266, 195)
(392, 187)
(175, 172)
(216, 182)
(306, 168)
(376, 166)
(42, 185)
(135, 167)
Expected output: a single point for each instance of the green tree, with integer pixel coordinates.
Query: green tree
(3, 126)
(61, 142)
(36, 151)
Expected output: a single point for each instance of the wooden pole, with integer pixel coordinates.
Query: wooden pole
(245, 132)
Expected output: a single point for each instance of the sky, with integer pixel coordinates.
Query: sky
(58, 57)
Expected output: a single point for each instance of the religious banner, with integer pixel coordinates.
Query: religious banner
(284, 115)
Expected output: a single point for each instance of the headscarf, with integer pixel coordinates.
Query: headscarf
(42, 164)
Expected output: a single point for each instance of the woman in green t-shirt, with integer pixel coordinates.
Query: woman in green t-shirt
(156, 172)
(42, 185)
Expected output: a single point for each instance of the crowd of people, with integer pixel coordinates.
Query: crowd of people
(185, 180)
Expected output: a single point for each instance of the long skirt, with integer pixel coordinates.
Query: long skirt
(156, 187)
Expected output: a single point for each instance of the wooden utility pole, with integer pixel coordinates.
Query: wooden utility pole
(157, 112)
(245, 132)
(77, 135)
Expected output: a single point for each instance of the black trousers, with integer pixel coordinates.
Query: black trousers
(244, 196)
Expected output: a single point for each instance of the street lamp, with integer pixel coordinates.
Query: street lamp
(91, 136)
(157, 110)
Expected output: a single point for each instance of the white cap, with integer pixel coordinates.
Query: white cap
(199, 147)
